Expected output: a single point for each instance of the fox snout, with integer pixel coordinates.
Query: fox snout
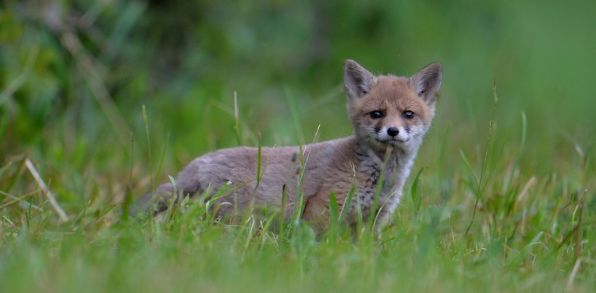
(395, 134)
(398, 122)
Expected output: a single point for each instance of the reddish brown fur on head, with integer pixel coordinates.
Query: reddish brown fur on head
(392, 95)
(378, 105)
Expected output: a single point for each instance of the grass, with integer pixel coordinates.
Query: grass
(501, 198)
(488, 225)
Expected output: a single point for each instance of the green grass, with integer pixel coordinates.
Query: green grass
(487, 224)
(502, 196)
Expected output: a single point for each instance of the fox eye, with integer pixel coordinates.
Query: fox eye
(408, 114)
(376, 114)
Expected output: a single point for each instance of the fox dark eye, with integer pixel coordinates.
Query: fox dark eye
(376, 114)
(408, 114)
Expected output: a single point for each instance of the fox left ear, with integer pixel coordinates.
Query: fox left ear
(427, 82)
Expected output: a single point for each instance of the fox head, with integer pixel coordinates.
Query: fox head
(388, 110)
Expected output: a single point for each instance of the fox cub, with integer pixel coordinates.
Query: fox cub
(390, 115)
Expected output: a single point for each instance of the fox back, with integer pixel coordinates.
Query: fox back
(365, 172)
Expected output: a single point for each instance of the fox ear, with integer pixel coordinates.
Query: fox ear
(357, 80)
(427, 82)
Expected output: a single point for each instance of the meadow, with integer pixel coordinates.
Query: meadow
(101, 101)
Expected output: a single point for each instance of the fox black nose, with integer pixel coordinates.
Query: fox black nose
(392, 131)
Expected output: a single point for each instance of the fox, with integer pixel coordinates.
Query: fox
(365, 171)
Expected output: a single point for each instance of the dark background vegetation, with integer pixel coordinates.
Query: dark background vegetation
(109, 97)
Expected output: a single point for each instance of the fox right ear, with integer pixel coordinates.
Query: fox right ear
(357, 80)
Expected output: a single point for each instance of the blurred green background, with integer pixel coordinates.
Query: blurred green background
(75, 76)
(177, 57)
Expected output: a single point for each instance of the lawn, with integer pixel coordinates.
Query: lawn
(101, 101)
